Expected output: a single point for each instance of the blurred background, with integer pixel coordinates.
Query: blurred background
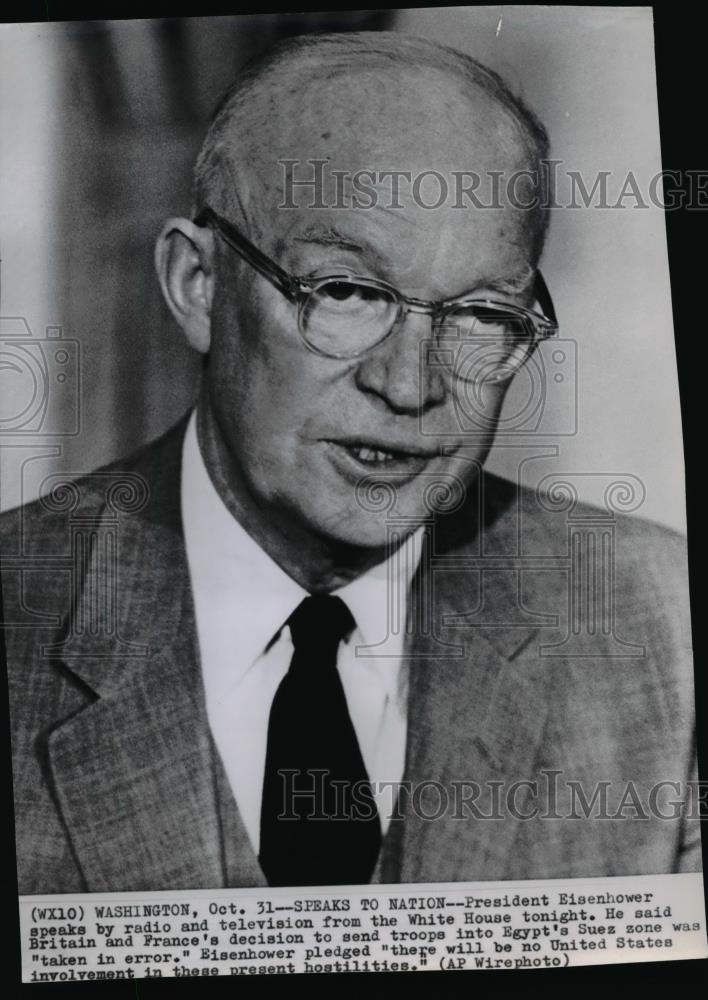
(100, 123)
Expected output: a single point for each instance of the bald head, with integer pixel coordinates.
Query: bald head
(291, 408)
(364, 100)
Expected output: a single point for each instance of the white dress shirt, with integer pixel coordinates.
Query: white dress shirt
(242, 600)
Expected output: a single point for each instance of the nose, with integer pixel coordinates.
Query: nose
(395, 371)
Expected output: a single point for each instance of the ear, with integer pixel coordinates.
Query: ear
(184, 262)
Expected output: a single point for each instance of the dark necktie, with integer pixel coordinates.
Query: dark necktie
(321, 827)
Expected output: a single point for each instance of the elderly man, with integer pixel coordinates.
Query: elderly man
(317, 644)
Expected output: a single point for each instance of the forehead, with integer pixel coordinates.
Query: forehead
(388, 158)
(431, 257)
(359, 118)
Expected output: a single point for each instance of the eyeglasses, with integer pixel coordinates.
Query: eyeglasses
(343, 316)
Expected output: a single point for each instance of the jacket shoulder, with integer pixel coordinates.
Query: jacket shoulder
(139, 482)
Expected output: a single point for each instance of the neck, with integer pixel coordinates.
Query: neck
(316, 563)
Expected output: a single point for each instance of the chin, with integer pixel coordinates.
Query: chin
(372, 530)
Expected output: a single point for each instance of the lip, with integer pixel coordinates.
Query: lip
(402, 448)
(406, 462)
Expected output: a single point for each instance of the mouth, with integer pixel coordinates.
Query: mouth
(359, 457)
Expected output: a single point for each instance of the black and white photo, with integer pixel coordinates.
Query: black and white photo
(343, 531)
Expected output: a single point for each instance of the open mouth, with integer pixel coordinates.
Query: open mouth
(363, 456)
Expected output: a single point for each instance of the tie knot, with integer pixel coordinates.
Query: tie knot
(321, 619)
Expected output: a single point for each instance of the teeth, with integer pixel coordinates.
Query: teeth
(372, 455)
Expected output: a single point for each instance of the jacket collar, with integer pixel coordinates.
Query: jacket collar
(134, 771)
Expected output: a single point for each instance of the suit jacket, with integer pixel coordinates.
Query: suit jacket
(548, 650)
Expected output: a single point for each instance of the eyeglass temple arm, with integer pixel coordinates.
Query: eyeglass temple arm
(290, 285)
(543, 297)
(267, 267)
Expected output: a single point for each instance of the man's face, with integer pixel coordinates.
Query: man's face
(301, 431)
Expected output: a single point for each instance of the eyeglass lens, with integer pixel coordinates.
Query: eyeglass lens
(343, 319)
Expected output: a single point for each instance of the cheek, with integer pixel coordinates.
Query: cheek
(261, 375)
(475, 408)
(493, 398)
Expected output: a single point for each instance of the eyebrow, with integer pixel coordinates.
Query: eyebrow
(329, 237)
(514, 284)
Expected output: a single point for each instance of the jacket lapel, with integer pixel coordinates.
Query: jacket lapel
(478, 703)
(134, 771)
(134, 781)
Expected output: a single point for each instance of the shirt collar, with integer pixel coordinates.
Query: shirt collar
(242, 590)
(238, 589)
(378, 598)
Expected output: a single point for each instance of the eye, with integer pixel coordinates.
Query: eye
(343, 317)
(474, 320)
(489, 320)
(340, 291)
(347, 292)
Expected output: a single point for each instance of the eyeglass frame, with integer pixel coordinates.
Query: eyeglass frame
(298, 290)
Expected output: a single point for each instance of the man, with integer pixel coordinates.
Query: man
(303, 638)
